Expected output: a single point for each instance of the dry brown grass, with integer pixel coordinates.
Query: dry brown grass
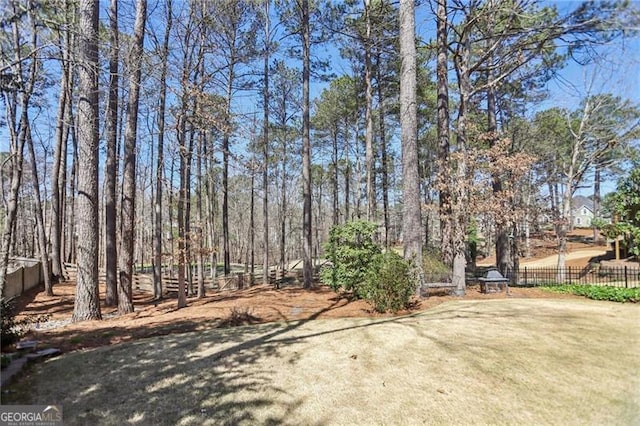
(512, 361)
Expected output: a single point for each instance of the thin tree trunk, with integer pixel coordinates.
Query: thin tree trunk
(157, 264)
(187, 211)
(283, 190)
(265, 147)
(334, 180)
(347, 183)
(73, 178)
(384, 155)
(225, 173)
(42, 238)
(59, 161)
(200, 233)
(111, 165)
(87, 302)
(128, 205)
(368, 115)
(411, 217)
(596, 201)
(182, 288)
(252, 226)
(307, 234)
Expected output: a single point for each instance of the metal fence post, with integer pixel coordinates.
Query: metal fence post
(626, 278)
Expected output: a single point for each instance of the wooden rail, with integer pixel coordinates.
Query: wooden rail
(144, 282)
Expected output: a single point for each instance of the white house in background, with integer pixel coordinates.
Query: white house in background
(582, 211)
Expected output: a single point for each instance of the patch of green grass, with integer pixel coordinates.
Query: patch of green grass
(76, 339)
(612, 294)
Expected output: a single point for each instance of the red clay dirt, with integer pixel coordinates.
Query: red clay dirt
(258, 304)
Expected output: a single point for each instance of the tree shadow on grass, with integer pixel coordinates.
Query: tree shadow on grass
(216, 376)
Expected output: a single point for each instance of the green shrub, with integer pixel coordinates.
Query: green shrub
(389, 284)
(11, 329)
(350, 251)
(613, 294)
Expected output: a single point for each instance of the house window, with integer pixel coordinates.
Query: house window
(578, 221)
(584, 211)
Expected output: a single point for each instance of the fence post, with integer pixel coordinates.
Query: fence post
(526, 280)
(626, 278)
(570, 277)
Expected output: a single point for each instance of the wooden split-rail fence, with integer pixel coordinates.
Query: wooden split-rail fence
(234, 281)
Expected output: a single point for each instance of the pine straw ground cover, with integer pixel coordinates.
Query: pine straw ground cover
(499, 361)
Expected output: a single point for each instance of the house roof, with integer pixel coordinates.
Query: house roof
(581, 201)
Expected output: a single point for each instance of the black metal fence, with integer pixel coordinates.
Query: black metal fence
(628, 277)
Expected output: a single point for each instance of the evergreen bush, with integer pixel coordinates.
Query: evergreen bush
(389, 283)
(350, 251)
(12, 330)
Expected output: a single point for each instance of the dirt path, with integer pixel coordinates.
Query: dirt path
(580, 257)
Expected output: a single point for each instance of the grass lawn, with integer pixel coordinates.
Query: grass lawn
(517, 361)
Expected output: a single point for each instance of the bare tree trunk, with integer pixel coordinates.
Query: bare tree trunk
(225, 174)
(111, 166)
(16, 160)
(252, 226)
(128, 205)
(385, 157)
(307, 234)
(596, 201)
(460, 198)
(411, 217)
(182, 288)
(59, 160)
(368, 115)
(347, 183)
(157, 245)
(42, 238)
(334, 179)
(17, 141)
(187, 211)
(199, 230)
(61, 185)
(87, 302)
(265, 147)
(444, 185)
(283, 190)
(71, 235)
(212, 207)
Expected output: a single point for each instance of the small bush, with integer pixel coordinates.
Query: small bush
(612, 294)
(350, 251)
(389, 284)
(12, 330)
